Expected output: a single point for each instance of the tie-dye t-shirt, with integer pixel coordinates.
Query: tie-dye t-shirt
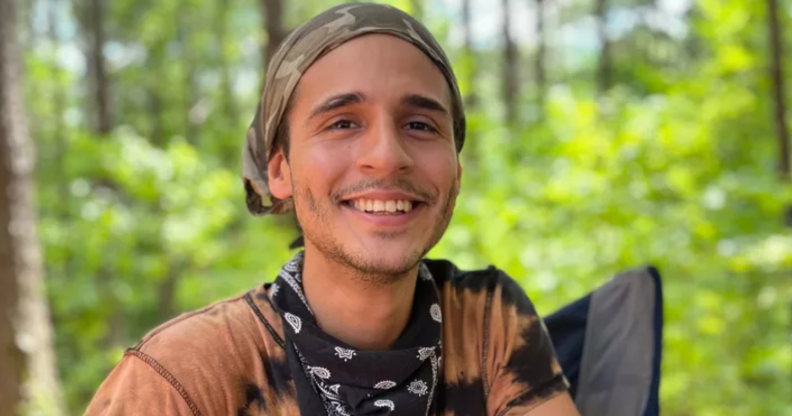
(229, 358)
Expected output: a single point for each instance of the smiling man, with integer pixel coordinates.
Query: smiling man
(358, 133)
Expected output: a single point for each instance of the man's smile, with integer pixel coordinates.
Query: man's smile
(384, 208)
(379, 206)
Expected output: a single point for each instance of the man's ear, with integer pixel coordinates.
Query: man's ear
(279, 175)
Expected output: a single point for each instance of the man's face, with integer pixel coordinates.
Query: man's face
(372, 166)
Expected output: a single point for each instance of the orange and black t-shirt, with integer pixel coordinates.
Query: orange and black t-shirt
(229, 358)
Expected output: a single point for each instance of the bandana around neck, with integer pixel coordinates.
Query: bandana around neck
(335, 379)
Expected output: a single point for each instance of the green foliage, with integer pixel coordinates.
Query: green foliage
(675, 167)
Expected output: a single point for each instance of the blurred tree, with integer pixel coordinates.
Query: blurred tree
(604, 64)
(190, 68)
(779, 90)
(471, 67)
(692, 44)
(93, 20)
(228, 100)
(510, 84)
(29, 381)
(273, 26)
(59, 129)
(539, 63)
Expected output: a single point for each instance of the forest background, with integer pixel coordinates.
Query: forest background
(604, 135)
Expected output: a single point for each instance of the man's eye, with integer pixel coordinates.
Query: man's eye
(417, 125)
(342, 125)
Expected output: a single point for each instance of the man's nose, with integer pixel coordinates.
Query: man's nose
(383, 150)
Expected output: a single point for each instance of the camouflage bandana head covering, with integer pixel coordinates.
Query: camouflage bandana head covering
(297, 53)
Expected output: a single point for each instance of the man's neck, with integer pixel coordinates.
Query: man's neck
(364, 314)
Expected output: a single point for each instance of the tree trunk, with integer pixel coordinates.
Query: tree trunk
(273, 27)
(59, 137)
(471, 99)
(167, 297)
(510, 82)
(168, 288)
(777, 76)
(604, 64)
(541, 45)
(190, 97)
(26, 355)
(692, 46)
(229, 103)
(59, 105)
(94, 20)
(154, 105)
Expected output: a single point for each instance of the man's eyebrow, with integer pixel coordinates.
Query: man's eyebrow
(337, 101)
(423, 102)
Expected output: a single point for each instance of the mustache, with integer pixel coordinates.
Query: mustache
(399, 183)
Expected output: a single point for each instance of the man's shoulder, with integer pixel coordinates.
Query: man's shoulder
(224, 356)
(224, 337)
(480, 289)
(199, 329)
(488, 279)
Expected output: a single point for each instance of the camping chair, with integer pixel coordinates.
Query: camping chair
(609, 345)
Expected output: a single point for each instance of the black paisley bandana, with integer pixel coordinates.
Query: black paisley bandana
(335, 379)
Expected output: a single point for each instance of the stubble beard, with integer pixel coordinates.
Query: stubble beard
(363, 268)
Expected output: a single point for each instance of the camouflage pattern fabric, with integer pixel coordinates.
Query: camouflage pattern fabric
(297, 53)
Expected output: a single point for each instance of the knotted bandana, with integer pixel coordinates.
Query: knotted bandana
(335, 379)
(297, 53)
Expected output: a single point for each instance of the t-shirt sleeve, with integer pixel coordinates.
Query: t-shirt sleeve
(140, 386)
(522, 368)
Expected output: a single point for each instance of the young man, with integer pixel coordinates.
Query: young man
(358, 132)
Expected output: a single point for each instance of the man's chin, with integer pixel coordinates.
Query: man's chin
(382, 262)
(387, 264)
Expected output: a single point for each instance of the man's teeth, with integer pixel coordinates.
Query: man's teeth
(377, 205)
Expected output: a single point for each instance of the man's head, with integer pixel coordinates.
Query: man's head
(367, 149)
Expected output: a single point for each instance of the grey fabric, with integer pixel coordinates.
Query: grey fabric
(616, 368)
